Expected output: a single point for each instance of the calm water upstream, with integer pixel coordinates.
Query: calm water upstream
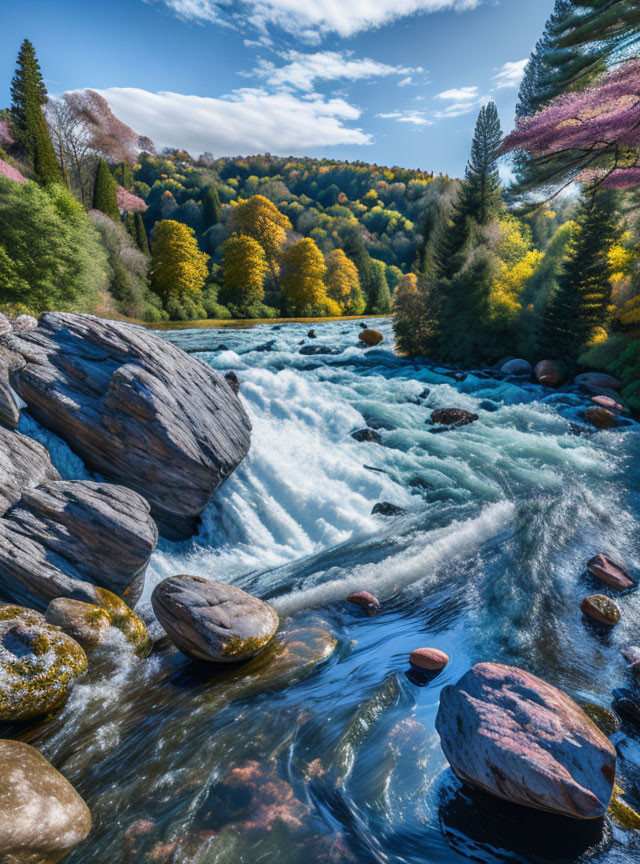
(324, 748)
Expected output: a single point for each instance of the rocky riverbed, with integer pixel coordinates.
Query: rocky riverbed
(467, 516)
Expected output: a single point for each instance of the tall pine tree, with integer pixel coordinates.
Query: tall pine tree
(105, 192)
(211, 208)
(480, 197)
(28, 95)
(580, 304)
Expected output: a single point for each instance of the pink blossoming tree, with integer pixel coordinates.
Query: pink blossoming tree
(10, 172)
(129, 203)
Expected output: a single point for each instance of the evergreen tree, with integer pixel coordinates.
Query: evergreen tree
(211, 208)
(380, 298)
(140, 233)
(480, 197)
(28, 95)
(105, 192)
(354, 248)
(123, 175)
(27, 83)
(580, 304)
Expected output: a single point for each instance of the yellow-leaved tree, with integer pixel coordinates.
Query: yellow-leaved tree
(517, 262)
(302, 274)
(178, 268)
(244, 267)
(259, 218)
(343, 283)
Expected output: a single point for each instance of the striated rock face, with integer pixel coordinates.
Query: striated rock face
(212, 621)
(65, 537)
(42, 817)
(511, 734)
(135, 408)
(23, 464)
(38, 663)
(9, 400)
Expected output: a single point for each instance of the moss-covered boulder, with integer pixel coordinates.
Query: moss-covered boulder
(42, 817)
(125, 619)
(85, 623)
(38, 664)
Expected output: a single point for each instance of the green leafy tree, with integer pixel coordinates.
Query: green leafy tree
(105, 192)
(123, 175)
(178, 268)
(380, 297)
(50, 254)
(244, 267)
(28, 95)
(211, 207)
(302, 275)
(416, 316)
(581, 302)
(354, 248)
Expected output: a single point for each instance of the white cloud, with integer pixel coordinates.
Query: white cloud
(415, 118)
(308, 19)
(463, 100)
(301, 71)
(510, 75)
(247, 121)
(406, 82)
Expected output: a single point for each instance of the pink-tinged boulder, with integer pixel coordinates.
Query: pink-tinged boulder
(548, 374)
(597, 381)
(601, 609)
(429, 659)
(370, 337)
(610, 573)
(514, 736)
(364, 599)
(601, 418)
(608, 403)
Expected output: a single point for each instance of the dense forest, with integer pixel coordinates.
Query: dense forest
(93, 219)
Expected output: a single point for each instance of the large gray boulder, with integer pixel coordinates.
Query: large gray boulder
(135, 408)
(212, 621)
(42, 817)
(66, 537)
(23, 464)
(511, 734)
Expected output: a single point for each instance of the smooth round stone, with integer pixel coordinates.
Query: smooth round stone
(85, 623)
(608, 403)
(517, 367)
(430, 659)
(601, 418)
(601, 609)
(364, 599)
(370, 337)
(38, 664)
(610, 573)
(597, 379)
(548, 373)
(212, 621)
(42, 817)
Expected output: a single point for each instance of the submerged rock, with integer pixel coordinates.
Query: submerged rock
(605, 720)
(135, 408)
(608, 403)
(601, 418)
(315, 350)
(548, 374)
(601, 609)
(42, 817)
(65, 537)
(364, 599)
(430, 659)
(370, 338)
(612, 574)
(212, 621)
(232, 380)
(453, 417)
(622, 813)
(369, 435)
(85, 623)
(312, 334)
(385, 508)
(38, 664)
(511, 734)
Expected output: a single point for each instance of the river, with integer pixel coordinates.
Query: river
(324, 748)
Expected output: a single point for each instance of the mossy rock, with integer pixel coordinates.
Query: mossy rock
(622, 813)
(605, 720)
(125, 619)
(38, 664)
(85, 623)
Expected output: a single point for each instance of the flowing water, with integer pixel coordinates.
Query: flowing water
(324, 749)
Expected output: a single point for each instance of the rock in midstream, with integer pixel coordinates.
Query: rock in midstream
(24, 463)
(212, 621)
(42, 817)
(511, 734)
(38, 664)
(135, 408)
(65, 537)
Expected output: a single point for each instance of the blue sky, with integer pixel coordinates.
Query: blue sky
(396, 82)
